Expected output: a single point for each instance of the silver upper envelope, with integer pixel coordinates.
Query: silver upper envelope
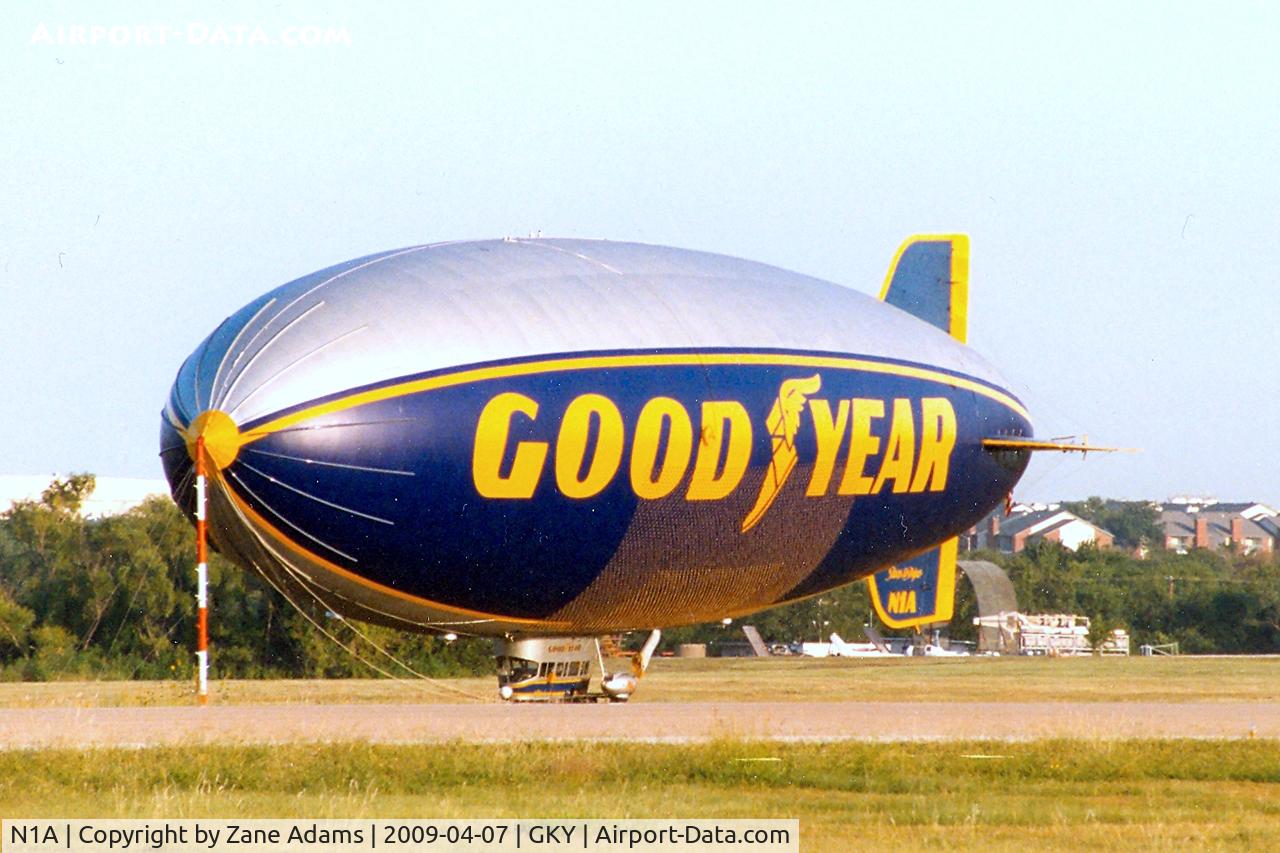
(426, 308)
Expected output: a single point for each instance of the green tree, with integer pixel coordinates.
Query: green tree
(16, 622)
(114, 597)
(1134, 523)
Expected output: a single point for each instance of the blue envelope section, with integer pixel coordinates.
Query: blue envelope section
(918, 591)
(384, 486)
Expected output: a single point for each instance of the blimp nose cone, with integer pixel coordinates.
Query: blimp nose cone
(222, 439)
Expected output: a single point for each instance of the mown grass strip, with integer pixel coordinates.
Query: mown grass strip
(1186, 679)
(842, 766)
(1123, 795)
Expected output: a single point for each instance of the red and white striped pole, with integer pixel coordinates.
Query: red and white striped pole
(202, 581)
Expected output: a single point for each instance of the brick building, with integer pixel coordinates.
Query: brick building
(1028, 525)
(1246, 528)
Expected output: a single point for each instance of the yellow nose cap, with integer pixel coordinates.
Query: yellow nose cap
(221, 437)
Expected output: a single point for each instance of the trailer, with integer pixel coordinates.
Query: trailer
(1050, 635)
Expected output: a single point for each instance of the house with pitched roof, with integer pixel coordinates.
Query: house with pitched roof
(1245, 528)
(1027, 525)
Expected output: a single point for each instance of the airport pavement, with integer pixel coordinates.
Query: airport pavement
(35, 728)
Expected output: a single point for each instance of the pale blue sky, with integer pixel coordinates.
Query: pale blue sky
(1117, 169)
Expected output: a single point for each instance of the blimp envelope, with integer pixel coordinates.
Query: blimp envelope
(571, 436)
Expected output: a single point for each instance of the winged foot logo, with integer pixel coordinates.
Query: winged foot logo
(783, 423)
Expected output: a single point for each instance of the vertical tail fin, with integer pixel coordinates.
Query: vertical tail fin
(919, 591)
(929, 279)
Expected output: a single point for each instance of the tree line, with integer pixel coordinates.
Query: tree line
(1206, 601)
(113, 597)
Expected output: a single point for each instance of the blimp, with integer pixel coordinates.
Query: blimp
(546, 441)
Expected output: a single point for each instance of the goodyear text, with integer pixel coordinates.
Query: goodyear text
(864, 446)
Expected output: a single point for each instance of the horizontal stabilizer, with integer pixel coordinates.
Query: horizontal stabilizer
(918, 591)
(929, 279)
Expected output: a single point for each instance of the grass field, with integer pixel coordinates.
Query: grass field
(1185, 679)
(1044, 795)
(991, 796)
